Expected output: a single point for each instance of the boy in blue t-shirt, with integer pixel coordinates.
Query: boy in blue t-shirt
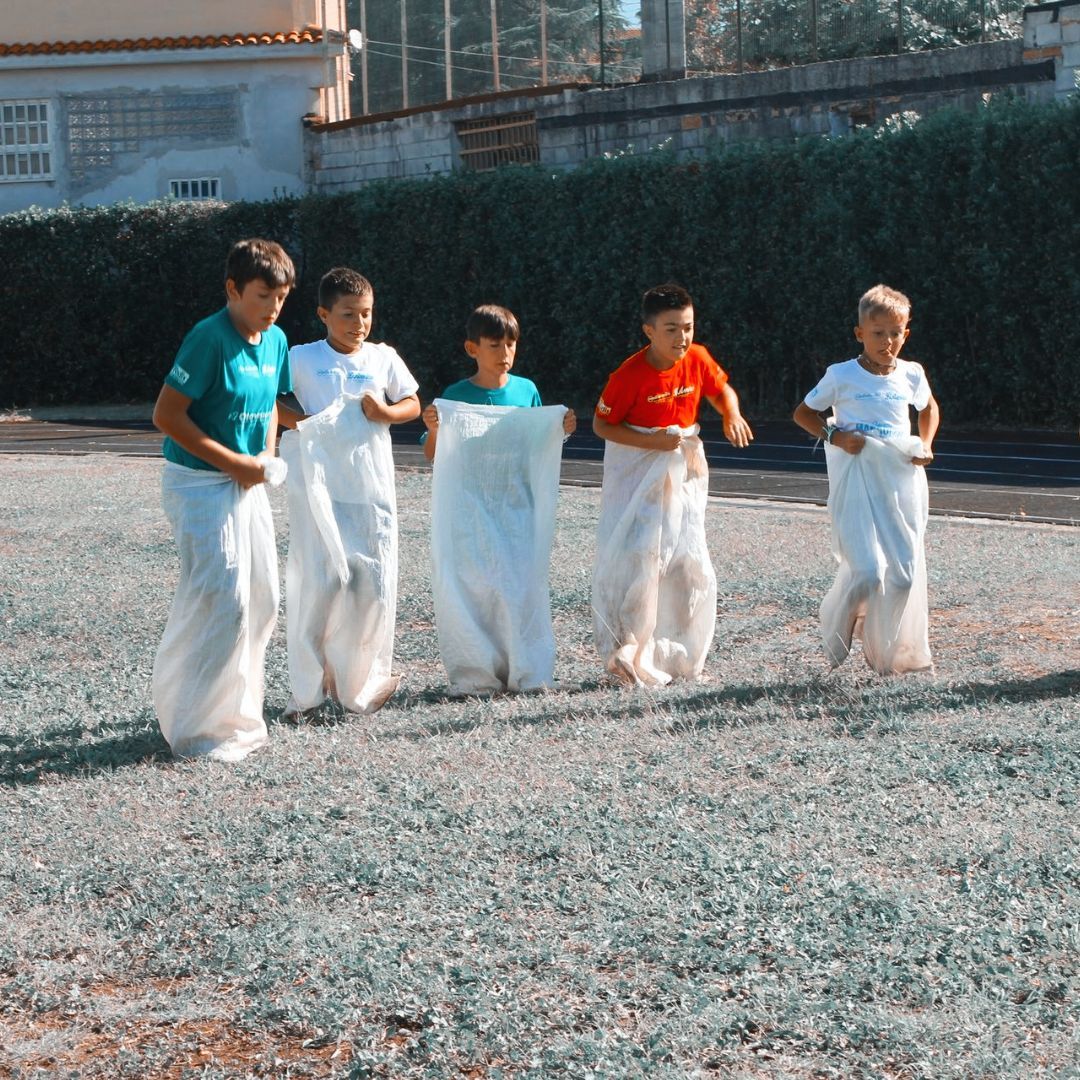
(491, 339)
(218, 413)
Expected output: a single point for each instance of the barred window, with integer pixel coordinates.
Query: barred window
(196, 189)
(100, 127)
(498, 140)
(25, 142)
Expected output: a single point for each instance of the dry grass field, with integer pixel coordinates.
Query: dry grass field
(777, 872)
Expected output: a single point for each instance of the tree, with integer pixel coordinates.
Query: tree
(775, 33)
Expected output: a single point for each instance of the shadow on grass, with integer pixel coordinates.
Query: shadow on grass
(71, 749)
(908, 695)
(724, 706)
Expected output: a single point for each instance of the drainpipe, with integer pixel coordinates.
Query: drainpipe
(328, 80)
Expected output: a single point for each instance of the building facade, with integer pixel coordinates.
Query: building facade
(117, 100)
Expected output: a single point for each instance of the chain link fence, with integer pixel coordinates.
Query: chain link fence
(751, 35)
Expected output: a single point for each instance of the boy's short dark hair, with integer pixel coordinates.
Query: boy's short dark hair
(259, 260)
(492, 321)
(662, 298)
(339, 282)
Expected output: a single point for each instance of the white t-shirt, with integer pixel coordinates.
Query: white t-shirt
(875, 404)
(321, 374)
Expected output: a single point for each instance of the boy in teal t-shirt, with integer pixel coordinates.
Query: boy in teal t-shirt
(217, 410)
(491, 338)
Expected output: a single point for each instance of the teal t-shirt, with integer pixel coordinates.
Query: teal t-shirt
(232, 383)
(518, 391)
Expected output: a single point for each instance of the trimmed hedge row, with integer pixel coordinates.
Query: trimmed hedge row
(975, 215)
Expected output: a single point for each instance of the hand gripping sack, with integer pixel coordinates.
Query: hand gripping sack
(341, 571)
(654, 589)
(879, 505)
(208, 673)
(494, 493)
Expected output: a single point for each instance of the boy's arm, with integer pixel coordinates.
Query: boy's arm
(171, 418)
(736, 429)
(430, 416)
(287, 416)
(813, 423)
(271, 432)
(929, 418)
(408, 408)
(627, 436)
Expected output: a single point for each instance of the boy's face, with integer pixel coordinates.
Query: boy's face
(348, 321)
(882, 335)
(670, 334)
(255, 308)
(494, 357)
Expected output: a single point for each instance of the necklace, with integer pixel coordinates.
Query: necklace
(875, 368)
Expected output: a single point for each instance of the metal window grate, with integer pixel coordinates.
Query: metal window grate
(509, 139)
(25, 143)
(195, 189)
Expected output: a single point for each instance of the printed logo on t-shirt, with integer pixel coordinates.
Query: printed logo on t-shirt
(251, 417)
(178, 374)
(654, 399)
(269, 369)
(879, 395)
(602, 407)
(683, 391)
(359, 376)
(247, 367)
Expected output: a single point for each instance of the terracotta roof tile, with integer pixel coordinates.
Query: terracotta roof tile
(204, 41)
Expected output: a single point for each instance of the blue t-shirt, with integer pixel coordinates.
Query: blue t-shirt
(232, 383)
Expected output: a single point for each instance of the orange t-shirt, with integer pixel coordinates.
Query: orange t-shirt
(636, 393)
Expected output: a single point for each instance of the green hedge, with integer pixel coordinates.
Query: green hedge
(975, 215)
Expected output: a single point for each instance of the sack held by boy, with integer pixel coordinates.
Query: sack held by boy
(496, 451)
(217, 410)
(654, 589)
(341, 572)
(878, 498)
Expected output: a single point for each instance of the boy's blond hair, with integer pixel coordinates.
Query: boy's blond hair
(881, 300)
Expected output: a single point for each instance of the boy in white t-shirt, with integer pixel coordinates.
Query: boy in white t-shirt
(341, 576)
(877, 489)
(345, 363)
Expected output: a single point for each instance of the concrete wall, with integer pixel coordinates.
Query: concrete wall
(1052, 32)
(258, 157)
(104, 20)
(685, 115)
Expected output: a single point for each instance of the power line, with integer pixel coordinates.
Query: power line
(457, 67)
(505, 56)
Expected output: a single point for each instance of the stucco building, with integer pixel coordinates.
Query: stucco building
(121, 100)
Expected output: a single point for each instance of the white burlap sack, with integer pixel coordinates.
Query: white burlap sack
(208, 673)
(878, 503)
(493, 498)
(654, 589)
(341, 573)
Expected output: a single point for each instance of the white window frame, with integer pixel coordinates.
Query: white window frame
(195, 188)
(26, 145)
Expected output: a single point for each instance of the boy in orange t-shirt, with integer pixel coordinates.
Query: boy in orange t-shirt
(654, 590)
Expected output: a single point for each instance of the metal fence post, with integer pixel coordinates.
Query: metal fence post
(738, 35)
